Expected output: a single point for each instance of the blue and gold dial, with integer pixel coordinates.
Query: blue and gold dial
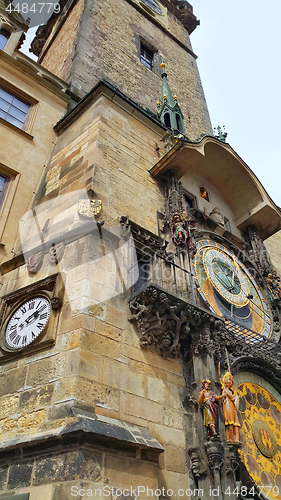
(225, 283)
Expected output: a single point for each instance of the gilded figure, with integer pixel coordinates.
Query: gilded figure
(231, 422)
(209, 400)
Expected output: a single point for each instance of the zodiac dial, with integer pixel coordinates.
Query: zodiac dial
(260, 418)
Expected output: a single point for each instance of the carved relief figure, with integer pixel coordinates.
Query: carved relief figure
(217, 216)
(183, 233)
(178, 230)
(273, 286)
(209, 400)
(231, 422)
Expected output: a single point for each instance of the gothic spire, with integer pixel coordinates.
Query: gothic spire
(169, 111)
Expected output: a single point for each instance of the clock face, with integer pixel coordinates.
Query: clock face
(153, 5)
(27, 322)
(231, 291)
(260, 418)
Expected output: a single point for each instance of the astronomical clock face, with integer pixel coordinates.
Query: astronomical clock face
(27, 323)
(260, 418)
(230, 290)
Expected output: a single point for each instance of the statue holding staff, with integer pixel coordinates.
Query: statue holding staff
(231, 422)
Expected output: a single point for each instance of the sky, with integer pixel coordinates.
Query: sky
(238, 45)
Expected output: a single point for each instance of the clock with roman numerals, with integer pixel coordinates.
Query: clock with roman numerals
(230, 289)
(27, 323)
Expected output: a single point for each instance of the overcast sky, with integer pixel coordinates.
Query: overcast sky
(238, 47)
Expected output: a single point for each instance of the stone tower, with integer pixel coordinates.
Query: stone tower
(140, 310)
(122, 42)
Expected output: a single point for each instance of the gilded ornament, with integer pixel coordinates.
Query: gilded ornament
(89, 207)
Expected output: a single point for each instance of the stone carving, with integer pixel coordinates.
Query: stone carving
(217, 216)
(197, 466)
(231, 422)
(257, 251)
(169, 141)
(182, 230)
(209, 401)
(274, 286)
(205, 342)
(164, 320)
(34, 262)
(144, 238)
(56, 303)
(214, 452)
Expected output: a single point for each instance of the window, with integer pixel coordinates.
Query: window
(146, 56)
(204, 193)
(190, 201)
(143, 271)
(4, 35)
(12, 109)
(167, 120)
(4, 181)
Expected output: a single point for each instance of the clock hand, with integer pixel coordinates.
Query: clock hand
(32, 317)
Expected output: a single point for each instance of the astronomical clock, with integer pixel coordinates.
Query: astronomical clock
(260, 418)
(229, 289)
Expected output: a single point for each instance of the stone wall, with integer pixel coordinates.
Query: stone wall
(273, 246)
(105, 48)
(96, 364)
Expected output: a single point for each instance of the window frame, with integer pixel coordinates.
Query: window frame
(3, 33)
(148, 48)
(25, 99)
(5, 187)
(12, 104)
(146, 56)
(7, 196)
(192, 197)
(208, 199)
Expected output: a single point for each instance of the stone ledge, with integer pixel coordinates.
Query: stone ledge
(86, 428)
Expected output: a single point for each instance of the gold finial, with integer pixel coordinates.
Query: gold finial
(164, 97)
(175, 97)
(162, 65)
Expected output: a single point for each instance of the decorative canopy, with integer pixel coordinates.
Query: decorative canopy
(230, 175)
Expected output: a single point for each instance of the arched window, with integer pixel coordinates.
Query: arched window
(179, 127)
(167, 120)
(4, 35)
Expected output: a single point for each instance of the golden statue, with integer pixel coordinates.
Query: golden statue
(231, 422)
(209, 400)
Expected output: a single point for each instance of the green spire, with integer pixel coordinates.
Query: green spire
(169, 112)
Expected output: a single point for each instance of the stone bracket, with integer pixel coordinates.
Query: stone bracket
(165, 320)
